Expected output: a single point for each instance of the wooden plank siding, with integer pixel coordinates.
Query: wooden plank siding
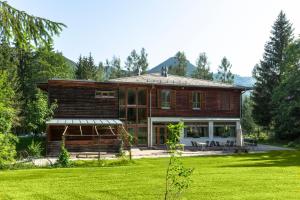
(80, 102)
(181, 103)
(77, 100)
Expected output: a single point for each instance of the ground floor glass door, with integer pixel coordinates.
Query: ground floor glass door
(160, 135)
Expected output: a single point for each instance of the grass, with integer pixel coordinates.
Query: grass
(273, 175)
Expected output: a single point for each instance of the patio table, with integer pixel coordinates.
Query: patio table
(202, 145)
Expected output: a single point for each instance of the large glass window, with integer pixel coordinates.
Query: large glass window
(197, 100)
(142, 135)
(122, 113)
(224, 130)
(131, 115)
(196, 130)
(142, 97)
(131, 96)
(165, 98)
(122, 97)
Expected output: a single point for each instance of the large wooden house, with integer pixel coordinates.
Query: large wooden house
(90, 114)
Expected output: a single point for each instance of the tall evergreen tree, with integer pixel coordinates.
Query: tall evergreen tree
(100, 73)
(268, 72)
(86, 68)
(286, 96)
(26, 30)
(224, 72)
(247, 121)
(143, 61)
(180, 68)
(116, 70)
(136, 63)
(202, 71)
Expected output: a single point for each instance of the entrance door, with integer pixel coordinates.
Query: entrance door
(160, 135)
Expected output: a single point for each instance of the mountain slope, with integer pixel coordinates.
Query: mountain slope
(172, 61)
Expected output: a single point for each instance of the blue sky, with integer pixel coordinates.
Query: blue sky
(233, 28)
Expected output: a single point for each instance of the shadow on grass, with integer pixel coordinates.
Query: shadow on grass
(270, 159)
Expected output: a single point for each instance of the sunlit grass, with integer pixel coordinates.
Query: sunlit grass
(274, 175)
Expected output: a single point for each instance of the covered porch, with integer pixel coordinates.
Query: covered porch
(200, 130)
(83, 135)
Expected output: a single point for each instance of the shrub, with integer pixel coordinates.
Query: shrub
(64, 157)
(7, 148)
(35, 149)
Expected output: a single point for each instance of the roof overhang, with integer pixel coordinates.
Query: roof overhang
(84, 122)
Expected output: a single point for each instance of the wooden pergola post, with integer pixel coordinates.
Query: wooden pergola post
(63, 135)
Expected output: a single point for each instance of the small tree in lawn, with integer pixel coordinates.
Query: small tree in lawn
(178, 177)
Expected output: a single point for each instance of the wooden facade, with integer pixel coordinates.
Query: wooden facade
(135, 104)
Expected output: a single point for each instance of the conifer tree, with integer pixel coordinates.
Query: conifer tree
(116, 70)
(202, 71)
(270, 69)
(143, 61)
(286, 96)
(224, 72)
(100, 73)
(137, 63)
(26, 30)
(86, 68)
(180, 68)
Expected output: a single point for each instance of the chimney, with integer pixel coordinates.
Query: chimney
(164, 71)
(139, 71)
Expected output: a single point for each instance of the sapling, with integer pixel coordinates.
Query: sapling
(178, 177)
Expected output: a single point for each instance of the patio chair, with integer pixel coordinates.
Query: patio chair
(219, 146)
(207, 143)
(193, 144)
(227, 145)
(212, 143)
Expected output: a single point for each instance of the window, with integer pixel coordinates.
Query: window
(131, 115)
(197, 100)
(225, 101)
(142, 95)
(196, 130)
(131, 96)
(122, 113)
(104, 94)
(224, 130)
(165, 98)
(122, 97)
(142, 135)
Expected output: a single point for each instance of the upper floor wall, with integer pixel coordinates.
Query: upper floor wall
(137, 102)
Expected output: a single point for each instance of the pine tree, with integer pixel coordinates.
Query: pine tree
(86, 68)
(116, 70)
(100, 73)
(26, 30)
(286, 96)
(180, 68)
(224, 72)
(247, 121)
(268, 72)
(202, 71)
(143, 61)
(79, 68)
(136, 63)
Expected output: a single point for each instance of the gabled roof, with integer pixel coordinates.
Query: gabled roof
(158, 79)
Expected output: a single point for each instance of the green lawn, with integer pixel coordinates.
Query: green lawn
(274, 175)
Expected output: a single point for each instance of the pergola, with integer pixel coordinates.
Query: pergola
(108, 130)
